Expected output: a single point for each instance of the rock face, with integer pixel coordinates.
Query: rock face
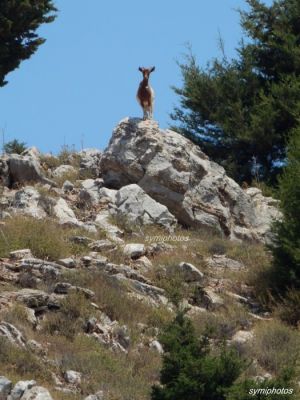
(176, 173)
(133, 204)
(24, 169)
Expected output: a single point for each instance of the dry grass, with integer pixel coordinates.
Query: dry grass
(45, 238)
(276, 346)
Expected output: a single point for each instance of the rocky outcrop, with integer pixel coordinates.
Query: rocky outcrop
(176, 173)
(138, 208)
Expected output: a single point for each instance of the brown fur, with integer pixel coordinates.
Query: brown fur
(145, 94)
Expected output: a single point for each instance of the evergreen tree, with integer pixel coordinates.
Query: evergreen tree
(189, 371)
(242, 111)
(286, 246)
(19, 20)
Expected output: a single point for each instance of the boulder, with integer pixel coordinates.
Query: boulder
(134, 250)
(24, 169)
(63, 170)
(222, 261)
(90, 190)
(136, 207)
(73, 377)
(12, 334)
(19, 254)
(19, 389)
(189, 272)
(36, 393)
(176, 173)
(5, 387)
(65, 214)
(90, 162)
(27, 201)
(97, 396)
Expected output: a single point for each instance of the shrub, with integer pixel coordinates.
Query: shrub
(189, 371)
(276, 346)
(14, 147)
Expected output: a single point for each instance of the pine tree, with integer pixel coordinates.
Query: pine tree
(244, 110)
(189, 371)
(19, 20)
(286, 246)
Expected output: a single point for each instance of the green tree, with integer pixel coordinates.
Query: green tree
(286, 245)
(242, 111)
(274, 389)
(14, 146)
(189, 371)
(19, 20)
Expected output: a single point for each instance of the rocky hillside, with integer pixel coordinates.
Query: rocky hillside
(97, 250)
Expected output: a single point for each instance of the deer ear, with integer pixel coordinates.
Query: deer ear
(141, 69)
(152, 69)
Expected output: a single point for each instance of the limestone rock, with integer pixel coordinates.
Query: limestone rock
(19, 254)
(5, 387)
(12, 334)
(90, 190)
(19, 389)
(24, 169)
(176, 173)
(133, 204)
(222, 261)
(134, 250)
(189, 272)
(36, 393)
(90, 162)
(73, 377)
(65, 214)
(63, 170)
(97, 396)
(27, 201)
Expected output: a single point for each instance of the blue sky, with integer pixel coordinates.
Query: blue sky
(83, 80)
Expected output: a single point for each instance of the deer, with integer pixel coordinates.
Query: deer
(145, 93)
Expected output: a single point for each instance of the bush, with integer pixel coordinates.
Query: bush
(189, 371)
(21, 362)
(276, 346)
(74, 311)
(14, 147)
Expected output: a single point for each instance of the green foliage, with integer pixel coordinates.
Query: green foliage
(286, 246)
(14, 147)
(19, 21)
(241, 111)
(189, 371)
(274, 389)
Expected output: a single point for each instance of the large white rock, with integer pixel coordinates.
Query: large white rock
(175, 172)
(65, 214)
(27, 201)
(133, 204)
(19, 389)
(90, 190)
(36, 393)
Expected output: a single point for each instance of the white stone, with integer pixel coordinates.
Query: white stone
(19, 389)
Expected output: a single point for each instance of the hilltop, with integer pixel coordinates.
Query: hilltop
(97, 250)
